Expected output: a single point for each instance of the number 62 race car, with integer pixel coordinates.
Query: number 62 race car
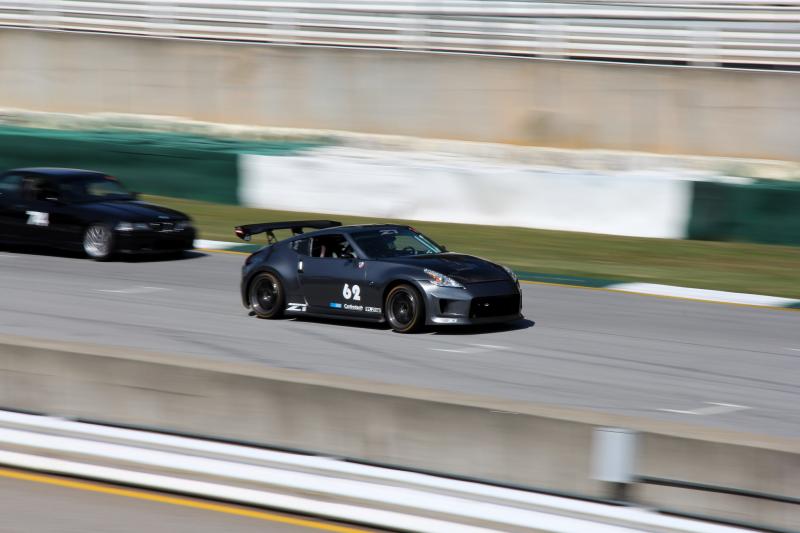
(382, 273)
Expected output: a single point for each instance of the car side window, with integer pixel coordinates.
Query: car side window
(11, 186)
(38, 188)
(333, 246)
(301, 246)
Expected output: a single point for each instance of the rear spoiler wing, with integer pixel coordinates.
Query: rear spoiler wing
(245, 232)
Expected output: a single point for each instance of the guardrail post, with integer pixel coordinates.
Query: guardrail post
(614, 460)
(46, 11)
(705, 48)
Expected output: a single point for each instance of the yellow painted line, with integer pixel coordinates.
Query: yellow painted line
(173, 500)
(663, 296)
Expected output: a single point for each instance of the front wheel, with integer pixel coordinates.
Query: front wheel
(266, 295)
(404, 309)
(98, 242)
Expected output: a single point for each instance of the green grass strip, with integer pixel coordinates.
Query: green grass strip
(564, 256)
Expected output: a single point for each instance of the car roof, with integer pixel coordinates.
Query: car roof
(57, 172)
(349, 229)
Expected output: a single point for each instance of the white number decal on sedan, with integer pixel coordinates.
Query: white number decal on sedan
(354, 293)
(37, 218)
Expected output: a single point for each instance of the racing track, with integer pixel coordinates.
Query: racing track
(614, 352)
(51, 504)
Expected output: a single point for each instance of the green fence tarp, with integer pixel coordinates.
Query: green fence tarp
(764, 211)
(166, 164)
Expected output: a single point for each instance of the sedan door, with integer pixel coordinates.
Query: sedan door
(12, 208)
(48, 220)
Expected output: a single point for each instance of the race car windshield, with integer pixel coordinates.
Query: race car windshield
(394, 242)
(95, 189)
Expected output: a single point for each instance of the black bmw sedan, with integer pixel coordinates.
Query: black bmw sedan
(85, 210)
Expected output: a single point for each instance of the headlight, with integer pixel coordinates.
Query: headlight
(132, 226)
(440, 280)
(511, 273)
(183, 225)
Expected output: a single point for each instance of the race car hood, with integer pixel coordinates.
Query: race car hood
(460, 267)
(131, 211)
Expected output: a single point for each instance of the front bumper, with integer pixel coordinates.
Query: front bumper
(153, 241)
(478, 303)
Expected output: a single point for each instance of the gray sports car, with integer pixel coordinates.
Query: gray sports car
(381, 272)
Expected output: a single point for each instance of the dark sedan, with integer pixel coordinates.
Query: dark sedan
(384, 272)
(85, 210)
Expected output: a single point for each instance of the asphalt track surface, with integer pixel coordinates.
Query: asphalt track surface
(39, 503)
(614, 352)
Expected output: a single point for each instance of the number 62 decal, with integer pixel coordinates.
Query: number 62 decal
(353, 292)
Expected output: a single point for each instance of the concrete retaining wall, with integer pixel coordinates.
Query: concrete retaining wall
(507, 100)
(511, 441)
(397, 185)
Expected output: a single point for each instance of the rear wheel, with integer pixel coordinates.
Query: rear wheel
(98, 242)
(404, 309)
(266, 295)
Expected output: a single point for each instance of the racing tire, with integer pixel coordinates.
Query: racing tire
(266, 296)
(98, 242)
(404, 309)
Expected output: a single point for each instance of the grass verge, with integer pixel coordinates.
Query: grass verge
(727, 266)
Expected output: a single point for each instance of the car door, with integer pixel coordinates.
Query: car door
(12, 208)
(332, 277)
(45, 218)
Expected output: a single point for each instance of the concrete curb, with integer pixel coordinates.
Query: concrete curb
(649, 289)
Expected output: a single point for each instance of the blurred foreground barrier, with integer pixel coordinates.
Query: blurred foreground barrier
(466, 437)
(369, 495)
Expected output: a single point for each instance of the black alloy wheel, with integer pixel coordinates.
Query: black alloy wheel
(266, 295)
(404, 309)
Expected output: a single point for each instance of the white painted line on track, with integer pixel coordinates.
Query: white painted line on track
(491, 346)
(134, 290)
(475, 348)
(714, 408)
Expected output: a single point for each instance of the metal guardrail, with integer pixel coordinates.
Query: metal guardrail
(322, 486)
(745, 33)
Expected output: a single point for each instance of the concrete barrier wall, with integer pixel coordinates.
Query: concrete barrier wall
(423, 187)
(676, 204)
(508, 100)
(502, 440)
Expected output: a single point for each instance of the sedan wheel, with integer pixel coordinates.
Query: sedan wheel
(404, 309)
(266, 296)
(98, 242)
